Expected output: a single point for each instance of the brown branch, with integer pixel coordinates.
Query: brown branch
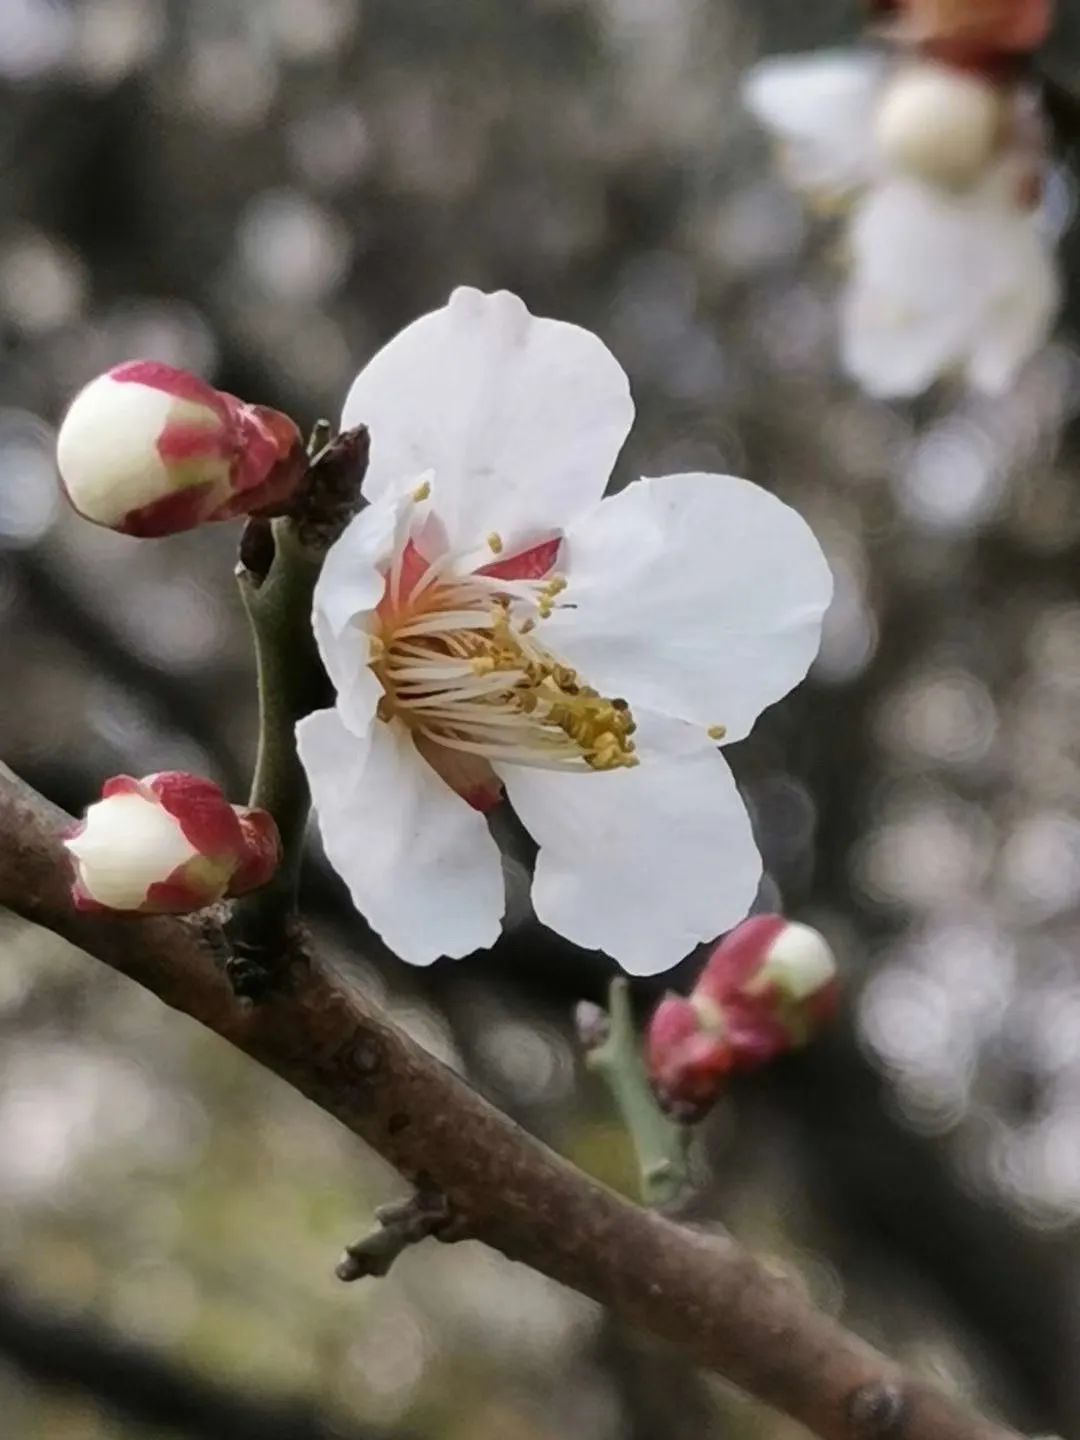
(704, 1294)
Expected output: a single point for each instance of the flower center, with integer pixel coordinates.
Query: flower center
(460, 664)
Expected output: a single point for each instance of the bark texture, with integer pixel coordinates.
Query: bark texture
(705, 1295)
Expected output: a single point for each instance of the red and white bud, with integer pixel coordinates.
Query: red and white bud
(980, 33)
(168, 844)
(941, 124)
(765, 990)
(149, 450)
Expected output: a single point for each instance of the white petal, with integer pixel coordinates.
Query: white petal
(1018, 324)
(645, 863)
(419, 862)
(106, 451)
(127, 844)
(697, 596)
(941, 280)
(822, 109)
(520, 419)
(909, 310)
(349, 587)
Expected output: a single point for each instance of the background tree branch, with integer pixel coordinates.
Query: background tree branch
(702, 1293)
(135, 1382)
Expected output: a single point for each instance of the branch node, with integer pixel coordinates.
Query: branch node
(876, 1411)
(401, 1224)
(330, 495)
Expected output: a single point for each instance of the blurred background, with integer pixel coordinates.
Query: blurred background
(263, 191)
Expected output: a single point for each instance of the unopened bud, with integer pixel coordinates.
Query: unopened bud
(764, 990)
(971, 30)
(149, 450)
(940, 124)
(168, 844)
(688, 1061)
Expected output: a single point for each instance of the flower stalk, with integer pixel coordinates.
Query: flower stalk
(279, 564)
(660, 1144)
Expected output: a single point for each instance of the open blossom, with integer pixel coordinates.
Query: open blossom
(149, 450)
(765, 990)
(950, 255)
(168, 844)
(492, 624)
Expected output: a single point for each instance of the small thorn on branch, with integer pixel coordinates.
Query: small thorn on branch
(401, 1224)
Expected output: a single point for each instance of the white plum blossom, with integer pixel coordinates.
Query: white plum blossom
(951, 265)
(491, 623)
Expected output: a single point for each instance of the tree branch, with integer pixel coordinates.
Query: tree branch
(704, 1294)
(137, 1383)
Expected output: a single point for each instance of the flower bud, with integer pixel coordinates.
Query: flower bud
(149, 450)
(168, 844)
(940, 124)
(765, 990)
(976, 30)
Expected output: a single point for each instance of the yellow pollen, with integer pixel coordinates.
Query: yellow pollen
(422, 491)
(479, 683)
(717, 732)
(495, 543)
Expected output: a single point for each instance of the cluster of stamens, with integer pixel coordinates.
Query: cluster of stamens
(460, 664)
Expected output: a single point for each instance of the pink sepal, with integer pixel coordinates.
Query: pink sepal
(687, 1064)
(177, 896)
(181, 383)
(262, 851)
(199, 807)
(738, 957)
(182, 510)
(123, 785)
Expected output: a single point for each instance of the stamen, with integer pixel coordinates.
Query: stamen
(459, 665)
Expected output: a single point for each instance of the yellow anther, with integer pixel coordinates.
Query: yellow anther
(717, 732)
(495, 543)
(422, 491)
(543, 709)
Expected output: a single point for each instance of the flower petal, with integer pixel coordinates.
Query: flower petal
(821, 108)
(941, 279)
(419, 862)
(349, 587)
(696, 596)
(127, 844)
(520, 419)
(1018, 324)
(644, 863)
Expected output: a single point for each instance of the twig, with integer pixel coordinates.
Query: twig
(278, 567)
(703, 1293)
(401, 1224)
(659, 1144)
(134, 1381)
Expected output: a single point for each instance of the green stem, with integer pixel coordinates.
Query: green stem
(659, 1144)
(291, 684)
